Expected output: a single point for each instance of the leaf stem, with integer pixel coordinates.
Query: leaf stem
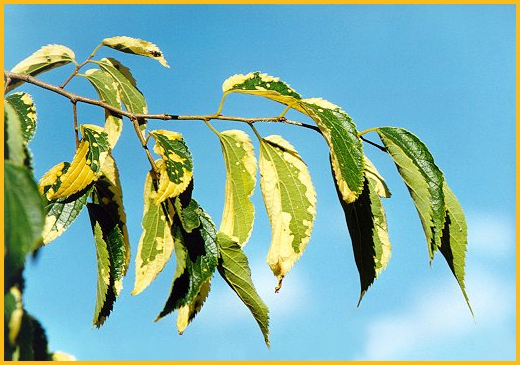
(75, 116)
(367, 131)
(143, 141)
(78, 67)
(211, 127)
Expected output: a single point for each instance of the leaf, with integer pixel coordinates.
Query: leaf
(379, 183)
(124, 70)
(422, 177)
(23, 104)
(13, 312)
(45, 59)
(455, 238)
(84, 169)
(132, 98)
(156, 242)
(346, 149)
(136, 46)
(61, 213)
(197, 255)
(32, 342)
(186, 313)
(108, 92)
(13, 142)
(176, 168)
(290, 200)
(189, 215)
(366, 221)
(239, 212)
(233, 266)
(105, 296)
(24, 217)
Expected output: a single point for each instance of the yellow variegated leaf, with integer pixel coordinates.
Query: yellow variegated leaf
(186, 313)
(290, 200)
(379, 183)
(239, 212)
(85, 167)
(176, 166)
(156, 242)
(136, 46)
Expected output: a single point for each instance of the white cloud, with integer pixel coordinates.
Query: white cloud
(439, 316)
(491, 234)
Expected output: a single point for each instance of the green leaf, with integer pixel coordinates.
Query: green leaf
(187, 312)
(233, 266)
(24, 106)
(455, 238)
(290, 200)
(61, 213)
(108, 92)
(24, 217)
(239, 212)
(176, 166)
(346, 149)
(85, 167)
(132, 98)
(189, 215)
(379, 183)
(45, 59)
(13, 142)
(156, 242)
(32, 342)
(13, 313)
(136, 46)
(105, 295)
(197, 256)
(368, 230)
(422, 177)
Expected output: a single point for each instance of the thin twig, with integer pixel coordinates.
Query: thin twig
(76, 129)
(78, 67)
(7, 80)
(382, 148)
(135, 123)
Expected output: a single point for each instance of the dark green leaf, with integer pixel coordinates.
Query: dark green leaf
(13, 143)
(24, 106)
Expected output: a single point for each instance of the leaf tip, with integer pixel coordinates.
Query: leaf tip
(361, 295)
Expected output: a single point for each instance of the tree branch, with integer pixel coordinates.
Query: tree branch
(74, 98)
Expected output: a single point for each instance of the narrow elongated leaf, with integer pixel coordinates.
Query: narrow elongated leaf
(61, 213)
(132, 98)
(176, 169)
(368, 230)
(239, 212)
(13, 143)
(290, 200)
(233, 266)
(336, 126)
(422, 177)
(346, 149)
(186, 313)
(379, 183)
(24, 217)
(136, 46)
(84, 169)
(156, 242)
(105, 296)
(124, 70)
(108, 92)
(24, 106)
(45, 59)
(197, 256)
(455, 238)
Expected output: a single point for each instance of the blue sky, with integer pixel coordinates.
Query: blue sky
(446, 73)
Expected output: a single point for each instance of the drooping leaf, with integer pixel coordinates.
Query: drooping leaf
(239, 212)
(187, 312)
(290, 200)
(233, 266)
(13, 139)
(156, 242)
(197, 256)
(136, 46)
(455, 239)
(176, 167)
(189, 214)
(45, 59)
(346, 149)
(84, 169)
(24, 217)
(379, 183)
(132, 98)
(108, 92)
(422, 177)
(124, 70)
(31, 344)
(105, 295)
(24, 106)
(366, 221)
(61, 213)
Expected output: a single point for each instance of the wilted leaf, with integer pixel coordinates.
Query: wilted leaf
(24, 216)
(108, 92)
(197, 255)
(422, 177)
(239, 212)
(136, 46)
(233, 266)
(176, 168)
(45, 59)
(156, 242)
(24, 106)
(290, 200)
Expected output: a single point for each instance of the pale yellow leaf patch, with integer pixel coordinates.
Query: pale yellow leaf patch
(136, 46)
(379, 183)
(49, 54)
